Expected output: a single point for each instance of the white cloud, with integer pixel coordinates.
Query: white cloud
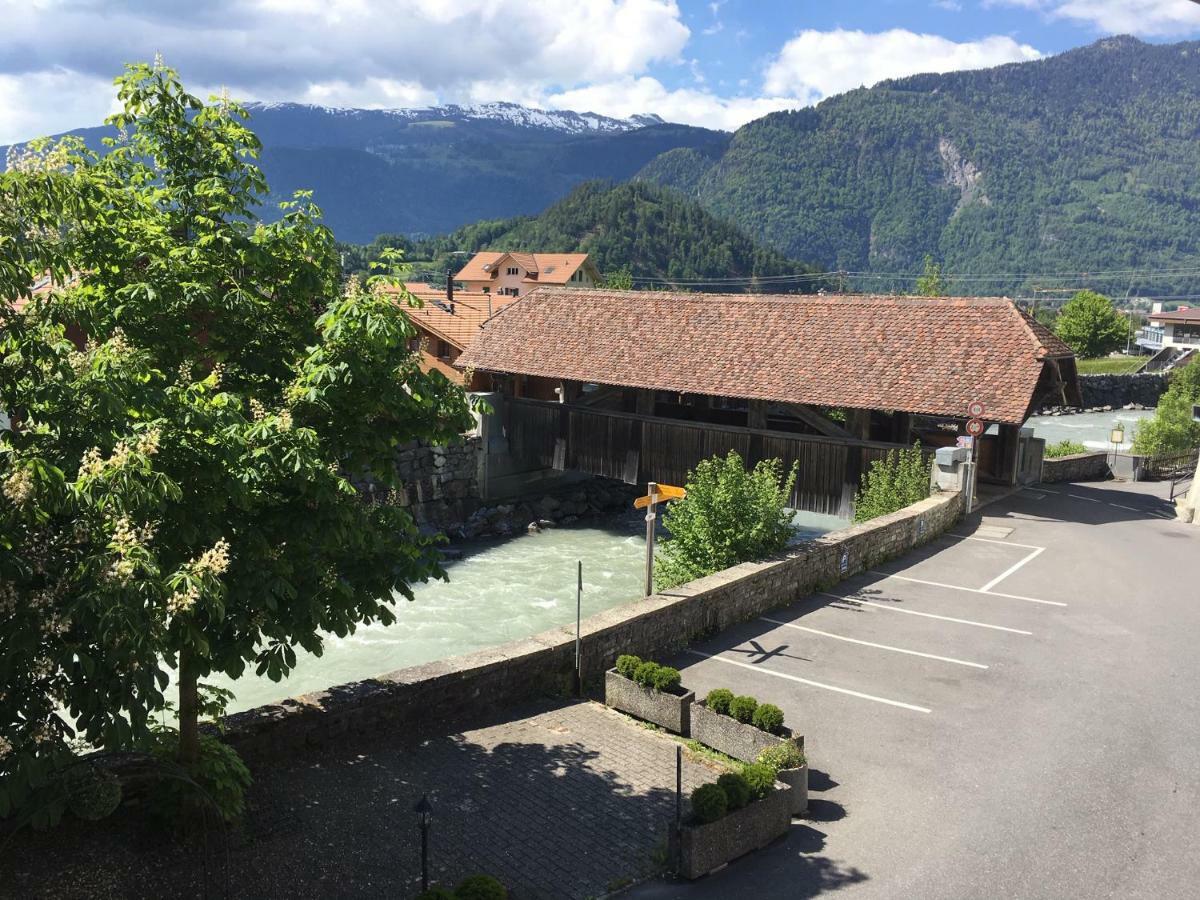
(362, 52)
(627, 96)
(590, 55)
(52, 101)
(1148, 18)
(816, 64)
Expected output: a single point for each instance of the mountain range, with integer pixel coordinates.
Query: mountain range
(431, 170)
(1083, 163)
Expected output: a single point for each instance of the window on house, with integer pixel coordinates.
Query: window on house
(513, 270)
(443, 349)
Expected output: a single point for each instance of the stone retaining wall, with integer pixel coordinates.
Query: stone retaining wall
(441, 483)
(479, 683)
(1116, 391)
(1077, 467)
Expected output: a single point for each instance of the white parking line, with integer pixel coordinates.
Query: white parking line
(971, 537)
(913, 612)
(850, 640)
(816, 684)
(1013, 568)
(1081, 497)
(959, 587)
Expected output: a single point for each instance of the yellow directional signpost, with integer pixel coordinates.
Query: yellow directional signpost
(655, 494)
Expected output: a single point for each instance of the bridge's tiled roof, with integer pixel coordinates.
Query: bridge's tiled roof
(912, 354)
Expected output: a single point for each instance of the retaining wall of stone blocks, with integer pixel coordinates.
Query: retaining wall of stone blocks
(1077, 467)
(479, 683)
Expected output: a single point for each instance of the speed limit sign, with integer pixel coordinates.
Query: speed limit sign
(975, 427)
(976, 409)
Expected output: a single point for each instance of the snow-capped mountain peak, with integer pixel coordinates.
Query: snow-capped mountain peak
(512, 113)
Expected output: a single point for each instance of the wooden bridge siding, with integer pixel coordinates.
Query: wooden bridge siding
(532, 431)
(600, 444)
(670, 450)
(640, 448)
(822, 472)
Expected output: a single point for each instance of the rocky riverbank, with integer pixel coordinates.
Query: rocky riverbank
(584, 500)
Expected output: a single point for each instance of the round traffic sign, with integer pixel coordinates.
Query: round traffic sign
(975, 427)
(976, 409)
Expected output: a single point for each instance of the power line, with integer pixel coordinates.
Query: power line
(1131, 274)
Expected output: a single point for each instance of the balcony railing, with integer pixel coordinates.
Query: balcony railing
(1150, 338)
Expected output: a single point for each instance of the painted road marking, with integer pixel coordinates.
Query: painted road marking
(971, 537)
(959, 587)
(913, 612)
(1011, 569)
(850, 640)
(810, 683)
(1081, 497)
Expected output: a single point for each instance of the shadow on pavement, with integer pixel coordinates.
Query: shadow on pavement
(790, 868)
(538, 805)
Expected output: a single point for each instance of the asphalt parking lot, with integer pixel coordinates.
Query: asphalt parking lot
(1011, 711)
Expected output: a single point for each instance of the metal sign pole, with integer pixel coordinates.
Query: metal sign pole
(678, 804)
(578, 618)
(651, 517)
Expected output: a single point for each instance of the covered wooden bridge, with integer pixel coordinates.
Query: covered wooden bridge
(642, 386)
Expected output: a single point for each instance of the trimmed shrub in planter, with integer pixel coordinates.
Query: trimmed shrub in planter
(742, 708)
(669, 706)
(704, 847)
(734, 738)
(709, 803)
(768, 718)
(718, 700)
(627, 664)
(760, 778)
(791, 768)
(737, 791)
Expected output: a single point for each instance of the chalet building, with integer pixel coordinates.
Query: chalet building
(644, 385)
(1178, 329)
(516, 274)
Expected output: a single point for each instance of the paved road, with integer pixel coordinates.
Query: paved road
(996, 744)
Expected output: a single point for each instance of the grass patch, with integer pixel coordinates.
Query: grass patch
(1110, 365)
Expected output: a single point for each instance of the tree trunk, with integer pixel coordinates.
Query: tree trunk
(189, 712)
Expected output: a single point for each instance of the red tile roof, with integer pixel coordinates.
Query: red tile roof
(543, 268)
(43, 286)
(459, 328)
(912, 354)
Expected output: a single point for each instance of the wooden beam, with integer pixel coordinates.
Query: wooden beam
(858, 423)
(814, 419)
(757, 415)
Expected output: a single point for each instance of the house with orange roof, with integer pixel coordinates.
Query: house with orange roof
(513, 274)
(447, 323)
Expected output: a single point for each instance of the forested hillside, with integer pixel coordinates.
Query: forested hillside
(1084, 162)
(653, 232)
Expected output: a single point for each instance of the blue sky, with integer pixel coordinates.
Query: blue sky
(718, 63)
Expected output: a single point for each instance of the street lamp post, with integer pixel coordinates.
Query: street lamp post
(424, 811)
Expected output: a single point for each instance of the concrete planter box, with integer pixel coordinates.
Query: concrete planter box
(797, 780)
(734, 738)
(670, 710)
(703, 848)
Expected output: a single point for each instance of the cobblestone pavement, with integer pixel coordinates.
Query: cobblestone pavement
(564, 801)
